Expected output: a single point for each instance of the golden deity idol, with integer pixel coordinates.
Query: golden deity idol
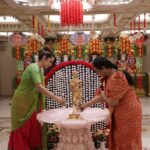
(76, 90)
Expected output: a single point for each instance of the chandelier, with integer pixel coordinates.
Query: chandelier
(71, 11)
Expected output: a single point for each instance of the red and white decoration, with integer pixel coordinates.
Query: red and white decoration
(71, 12)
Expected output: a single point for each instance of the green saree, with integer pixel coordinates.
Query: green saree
(26, 99)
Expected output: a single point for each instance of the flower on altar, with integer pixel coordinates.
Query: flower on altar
(53, 133)
(102, 134)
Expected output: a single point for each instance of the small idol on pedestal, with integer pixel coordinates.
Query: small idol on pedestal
(76, 90)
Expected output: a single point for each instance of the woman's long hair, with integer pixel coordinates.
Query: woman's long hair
(101, 62)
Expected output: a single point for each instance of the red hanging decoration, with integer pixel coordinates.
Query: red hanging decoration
(123, 45)
(139, 23)
(140, 48)
(71, 12)
(18, 52)
(127, 46)
(139, 81)
(64, 46)
(42, 31)
(33, 22)
(110, 50)
(39, 30)
(115, 23)
(79, 52)
(134, 25)
(144, 21)
(131, 27)
(32, 46)
(95, 46)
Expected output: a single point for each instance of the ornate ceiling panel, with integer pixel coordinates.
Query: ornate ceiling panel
(103, 10)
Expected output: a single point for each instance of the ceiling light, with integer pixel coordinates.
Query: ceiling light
(72, 32)
(129, 31)
(8, 19)
(9, 33)
(114, 2)
(27, 33)
(86, 18)
(147, 16)
(5, 33)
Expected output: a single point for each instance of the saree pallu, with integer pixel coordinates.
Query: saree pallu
(27, 137)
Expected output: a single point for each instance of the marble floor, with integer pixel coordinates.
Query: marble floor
(5, 122)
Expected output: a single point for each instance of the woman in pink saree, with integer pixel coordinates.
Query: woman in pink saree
(125, 107)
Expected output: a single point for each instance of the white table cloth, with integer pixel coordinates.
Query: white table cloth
(74, 134)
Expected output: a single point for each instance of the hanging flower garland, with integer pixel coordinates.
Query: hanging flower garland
(17, 40)
(79, 52)
(123, 44)
(128, 47)
(109, 50)
(18, 52)
(32, 46)
(115, 24)
(71, 12)
(95, 46)
(64, 46)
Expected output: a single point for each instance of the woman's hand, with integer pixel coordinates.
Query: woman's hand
(81, 108)
(60, 101)
(49, 94)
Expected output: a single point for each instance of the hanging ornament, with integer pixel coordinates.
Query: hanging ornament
(20, 66)
(134, 26)
(140, 50)
(139, 81)
(115, 23)
(131, 28)
(144, 21)
(139, 65)
(64, 46)
(128, 46)
(48, 22)
(110, 50)
(139, 23)
(17, 39)
(123, 44)
(32, 46)
(33, 22)
(71, 12)
(95, 46)
(79, 52)
(39, 29)
(42, 31)
(18, 52)
(79, 38)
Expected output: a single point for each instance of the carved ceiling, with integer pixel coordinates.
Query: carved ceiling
(22, 10)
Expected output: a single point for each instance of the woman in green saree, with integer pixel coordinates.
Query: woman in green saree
(26, 131)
